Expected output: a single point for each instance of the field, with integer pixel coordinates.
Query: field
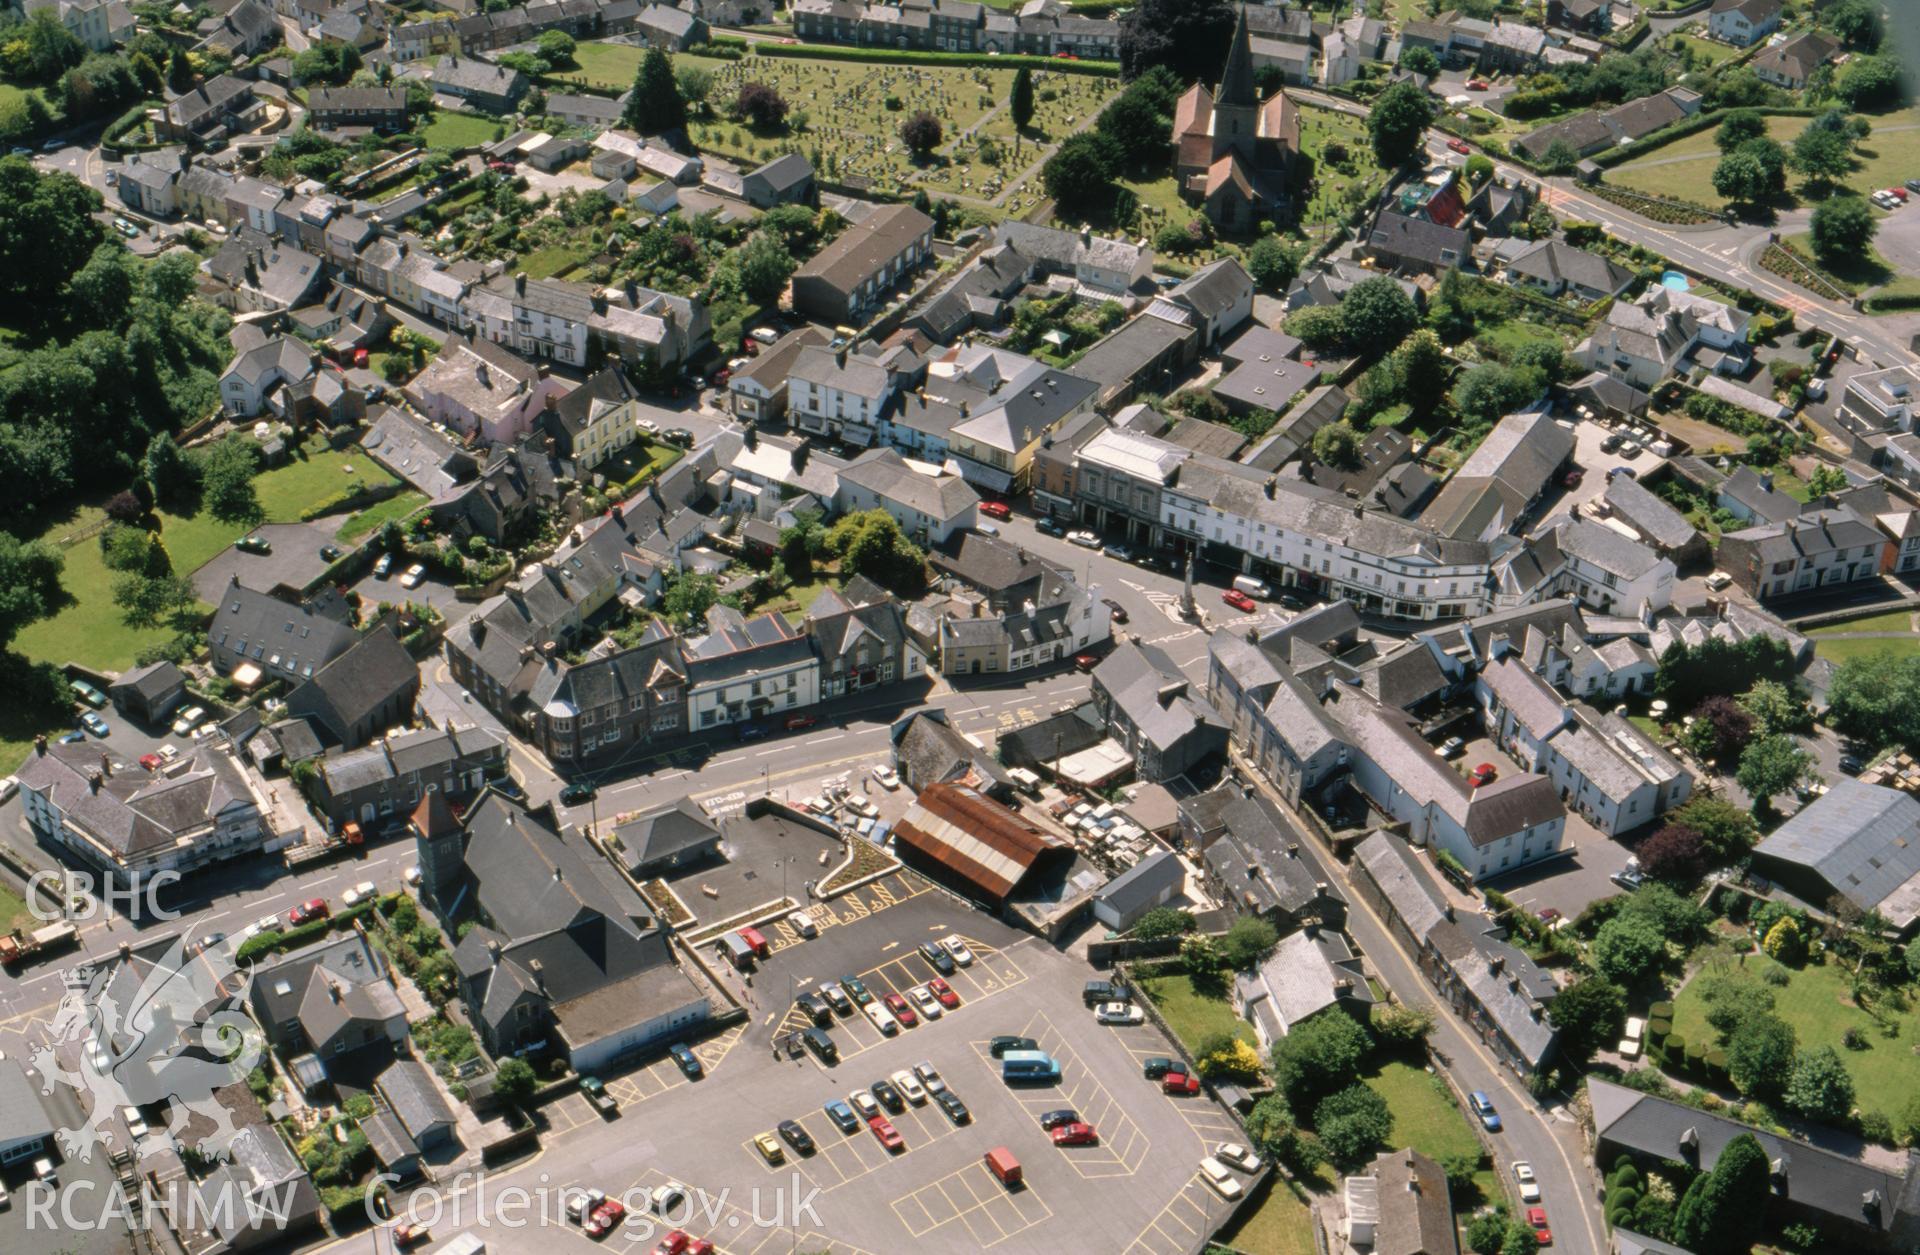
(1684, 168)
(1840, 651)
(1816, 1002)
(1193, 1014)
(458, 130)
(1426, 1118)
(854, 112)
(90, 630)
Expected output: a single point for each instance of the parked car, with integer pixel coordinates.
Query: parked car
(1120, 552)
(958, 949)
(361, 892)
(1049, 526)
(1051, 1120)
(92, 696)
(1179, 1083)
(943, 992)
(413, 576)
(842, 1116)
(188, 720)
(1612, 443)
(1484, 774)
(751, 732)
(864, 1103)
(951, 1104)
(1453, 747)
(1476, 84)
(1115, 610)
(889, 778)
(908, 1084)
(942, 961)
(796, 1137)
(1001, 1045)
(1483, 1110)
(308, 911)
(1223, 1182)
(252, 544)
(577, 792)
(685, 1058)
(836, 998)
(769, 1147)
(1529, 1184)
(888, 1135)
(383, 567)
(1572, 479)
(1155, 1067)
(857, 989)
(1851, 764)
(996, 510)
(678, 435)
(95, 724)
(765, 335)
(929, 1076)
(1239, 600)
(1237, 1156)
(1119, 1013)
(1459, 146)
(1086, 540)
(897, 1006)
(1078, 1133)
(331, 553)
(1086, 662)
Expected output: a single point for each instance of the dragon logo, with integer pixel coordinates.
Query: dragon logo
(142, 1030)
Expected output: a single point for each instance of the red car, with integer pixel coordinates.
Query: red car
(996, 510)
(407, 1233)
(1459, 145)
(750, 346)
(1237, 599)
(719, 377)
(944, 992)
(605, 1218)
(1572, 478)
(1484, 774)
(150, 761)
(1476, 84)
(675, 1243)
(1179, 1083)
(902, 1010)
(1086, 662)
(1537, 1217)
(888, 1135)
(797, 722)
(307, 912)
(1079, 1133)
(699, 1246)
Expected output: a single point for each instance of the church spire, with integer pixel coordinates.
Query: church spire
(1236, 81)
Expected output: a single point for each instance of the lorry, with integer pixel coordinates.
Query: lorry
(18, 947)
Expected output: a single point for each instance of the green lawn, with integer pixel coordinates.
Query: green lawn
(459, 130)
(1817, 1004)
(1426, 1117)
(1883, 159)
(1892, 621)
(1279, 1223)
(1517, 333)
(13, 907)
(1840, 651)
(1194, 1014)
(398, 506)
(610, 66)
(90, 630)
(1706, 52)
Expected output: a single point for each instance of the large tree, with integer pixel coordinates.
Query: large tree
(1590, 1014)
(1842, 229)
(1771, 766)
(1823, 154)
(1189, 37)
(655, 106)
(921, 133)
(1628, 949)
(1398, 123)
(29, 583)
(1870, 82)
(1020, 100)
(1760, 1054)
(50, 234)
(1318, 1056)
(1820, 1088)
(1875, 699)
(1857, 22)
(1737, 126)
(1351, 1122)
(1377, 315)
(1723, 1210)
(1272, 264)
(1079, 175)
(765, 267)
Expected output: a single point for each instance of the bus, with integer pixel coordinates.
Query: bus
(1029, 1067)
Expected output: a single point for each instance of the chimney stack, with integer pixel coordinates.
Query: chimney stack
(520, 283)
(106, 765)
(493, 952)
(93, 782)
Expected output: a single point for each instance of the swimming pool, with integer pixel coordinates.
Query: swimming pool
(1675, 280)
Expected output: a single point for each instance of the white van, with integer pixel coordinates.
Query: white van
(1253, 588)
(881, 1017)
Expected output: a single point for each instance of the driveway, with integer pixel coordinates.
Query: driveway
(1572, 881)
(295, 560)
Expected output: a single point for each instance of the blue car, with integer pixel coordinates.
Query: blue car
(688, 1064)
(94, 724)
(1483, 1108)
(842, 1116)
(72, 737)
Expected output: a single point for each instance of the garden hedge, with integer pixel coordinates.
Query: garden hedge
(271, 942)
(1689, 126)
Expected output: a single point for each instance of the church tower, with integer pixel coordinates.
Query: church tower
(1236, 104)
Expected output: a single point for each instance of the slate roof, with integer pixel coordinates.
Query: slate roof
(657, 835)
(409, 1089)
(860, 250)
(1637, 505)
(284, 639)
(1301, 978)
(1142, 883)
(358, 683)
(133, 812)
(1416, 1212)
(413, 450)
(1861, 839)
(1262, 858)
(1557, 260)
(1155, 695)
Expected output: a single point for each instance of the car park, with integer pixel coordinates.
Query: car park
(1529, 1184)
(999, 1046)
(1482, 1107)
(252, 544)
(958, 949)
(929, 1076)
(667, 1197)
(689, 1065)
(581, 1204)
(857, 989)
(882, 1018)
(864, 1103)
(842, 1116)
(803, 924)
(1156, 1067)
(1237, 1156)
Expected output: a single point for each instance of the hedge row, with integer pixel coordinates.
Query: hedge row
(271, 942)
(891, 56)
(1680, 130)
(351, 499)
(1892, 303)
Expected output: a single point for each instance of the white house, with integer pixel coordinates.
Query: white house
(929, 503)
